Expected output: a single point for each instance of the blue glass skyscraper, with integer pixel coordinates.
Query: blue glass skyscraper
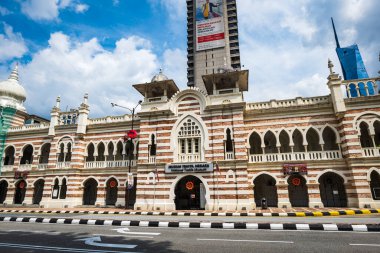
(352, 65)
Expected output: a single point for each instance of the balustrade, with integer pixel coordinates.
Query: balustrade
(42, 166)
(370, 152)
(109, 164)
(296, 156)
(24, 167)
(7, 168)
(184, 158)
(63, 165)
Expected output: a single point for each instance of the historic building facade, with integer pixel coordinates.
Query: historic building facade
(204, 147)
(199, 149)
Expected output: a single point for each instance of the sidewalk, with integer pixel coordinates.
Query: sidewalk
(291, 212)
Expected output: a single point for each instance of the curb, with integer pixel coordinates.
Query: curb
(212, 225)
(290, 214)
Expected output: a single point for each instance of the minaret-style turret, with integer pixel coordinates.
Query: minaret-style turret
(334, 83)
(54, 118)
(83, 116)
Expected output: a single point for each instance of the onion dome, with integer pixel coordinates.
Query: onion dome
(159, 77)
(11, 92)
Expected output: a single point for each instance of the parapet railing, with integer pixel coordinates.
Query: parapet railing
(288, 103)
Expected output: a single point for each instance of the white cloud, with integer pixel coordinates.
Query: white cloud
(174, 8)
(175, 66)
(40, 9)
(81, 8)
(4, 11)
(115, 2)
(49, 9)
(70, 68)
(12, 45)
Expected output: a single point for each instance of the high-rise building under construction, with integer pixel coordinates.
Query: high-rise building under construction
(212, 38)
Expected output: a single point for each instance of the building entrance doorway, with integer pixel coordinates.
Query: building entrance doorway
(90, 192)
(333, 194)
(190, 194)
(297, 189)
(3, 191)
(265, 187)
(20, 192)
(111, 192)
(38, 191)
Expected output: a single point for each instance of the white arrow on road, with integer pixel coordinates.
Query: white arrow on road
(127, 231)
(96, 241)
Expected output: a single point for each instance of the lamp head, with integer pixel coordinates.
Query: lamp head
(140, 102)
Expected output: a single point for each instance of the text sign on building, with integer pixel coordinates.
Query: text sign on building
(209, 24)
(290, 169)
(189, 168)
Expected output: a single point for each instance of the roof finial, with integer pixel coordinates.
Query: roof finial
(85, 98)
(336, 36)
(58, 102)
(14, 73)
(331, 66)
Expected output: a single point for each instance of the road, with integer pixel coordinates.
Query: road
(33, 238)
(354, 219)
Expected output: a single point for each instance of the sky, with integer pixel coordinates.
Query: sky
(102, 47)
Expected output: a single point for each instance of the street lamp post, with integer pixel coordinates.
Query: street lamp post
(129, 155)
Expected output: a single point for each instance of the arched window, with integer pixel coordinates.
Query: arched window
(110, 156)
(365, 138)
(353, 91)
(255, 143)
(298, 141)
(229, 146)
(61, 156)
(45, 151)
(376, 125)
(68, 154)
(362, 89)
(55, 190)
(119, 151)
(9, 156)
(285, 142)
(152, 145)
(312, 139)
(329, 138)
(101, 150)
(189, 141)
(62, 193)
(129, 148)
(27, 155)
(270, 143)
(90, 153)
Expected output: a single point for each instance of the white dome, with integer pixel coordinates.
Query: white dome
(11, 88)
(159, 77)
(12, 94)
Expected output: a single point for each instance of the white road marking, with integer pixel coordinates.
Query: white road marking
(368, 245)
(96, 241)
(127, 232)
(49, 248)
(226, 240)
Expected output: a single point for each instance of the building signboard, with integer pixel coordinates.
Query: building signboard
(189, 168)
(290, 169)
(209, 24)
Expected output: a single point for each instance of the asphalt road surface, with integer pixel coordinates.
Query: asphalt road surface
(33, 238)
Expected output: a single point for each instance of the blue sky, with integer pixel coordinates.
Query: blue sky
(70, 47)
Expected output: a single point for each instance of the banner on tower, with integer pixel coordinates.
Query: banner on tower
(209, 24)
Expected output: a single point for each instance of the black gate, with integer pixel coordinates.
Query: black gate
(38, 191)
(297, 189)
(332, 190)
(90, 192)
(111, 192)
(3, 191)
(187, 194)
(20, 192)
(265, 187)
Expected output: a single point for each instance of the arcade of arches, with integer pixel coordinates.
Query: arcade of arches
(331, 185)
